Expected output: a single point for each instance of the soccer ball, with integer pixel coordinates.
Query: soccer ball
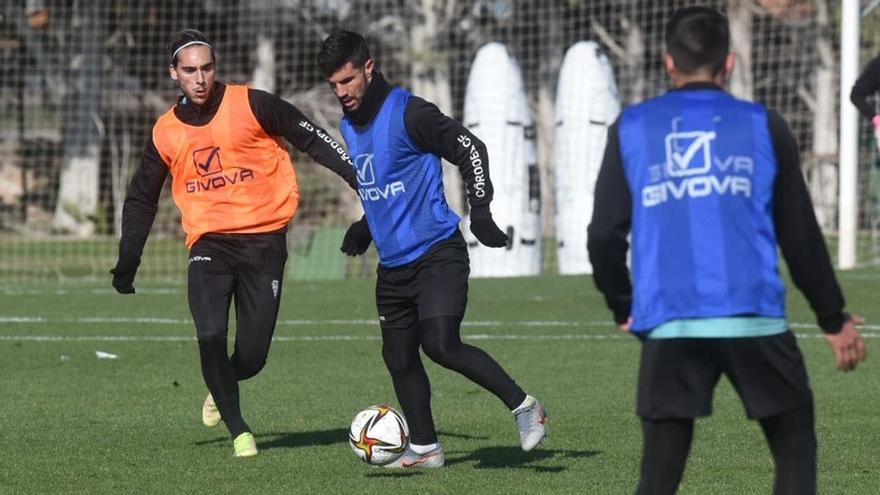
(378, 435)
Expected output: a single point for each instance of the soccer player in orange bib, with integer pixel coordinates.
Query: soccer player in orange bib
(234, 183)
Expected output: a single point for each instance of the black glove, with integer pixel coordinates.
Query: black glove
(485, 229)
(123, 273)
(357, 238)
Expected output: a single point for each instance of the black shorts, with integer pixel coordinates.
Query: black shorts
(434, 285)
(677, 377)
(246, 267)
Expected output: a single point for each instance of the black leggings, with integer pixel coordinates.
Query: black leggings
(248, 269)
(791, 437)
(440, 339)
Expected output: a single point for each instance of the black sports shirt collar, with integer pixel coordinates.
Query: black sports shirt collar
(191, 114)
(377, 90)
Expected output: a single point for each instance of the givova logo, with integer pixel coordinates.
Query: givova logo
(207, 161)
(366, 177)
(211, 174)
(688, 153)
(688, 171)
(363, 164)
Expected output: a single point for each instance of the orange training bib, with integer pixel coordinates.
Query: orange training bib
(228, 176)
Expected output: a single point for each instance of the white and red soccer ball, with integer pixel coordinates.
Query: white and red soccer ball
(378, 435)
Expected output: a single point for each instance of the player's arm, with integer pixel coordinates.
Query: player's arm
(138, 213)
(434, 132)
(798, 233)
(804, 250)
(866, 85)
(280, 118)
(608, 230)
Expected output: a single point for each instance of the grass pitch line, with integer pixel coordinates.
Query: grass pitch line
(17, 291)
(341, 322)
(294, 322)
(326, 338)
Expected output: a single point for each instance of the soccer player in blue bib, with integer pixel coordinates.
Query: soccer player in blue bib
(709, 185)
(396, 141)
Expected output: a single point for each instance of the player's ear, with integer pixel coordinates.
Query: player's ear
(669, 64)
(369, 66)
(729, 64)
(172, 72)
(723, 75)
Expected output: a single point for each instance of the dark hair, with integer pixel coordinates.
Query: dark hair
(698, 38)
(185, 36)
(340, 48)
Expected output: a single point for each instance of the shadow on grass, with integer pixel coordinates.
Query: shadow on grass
(297, 439)
(381, 472)
(514, 457)
(292, 440)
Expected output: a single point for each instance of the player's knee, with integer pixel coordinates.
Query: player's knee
(248, 366)
(442, 353)
(798, 448)
(212, 336)
(792, 435)
(395, 361)
(440, 340)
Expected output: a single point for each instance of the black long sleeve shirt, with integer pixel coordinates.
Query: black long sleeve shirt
(436, 133)
(797, 230)
(276, 116)
(866, 85)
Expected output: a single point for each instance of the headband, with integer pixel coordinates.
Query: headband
(191, 43)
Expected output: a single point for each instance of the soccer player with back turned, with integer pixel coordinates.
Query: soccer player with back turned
(709, 185)
(236, 189)
(397, 140)
(868, 84)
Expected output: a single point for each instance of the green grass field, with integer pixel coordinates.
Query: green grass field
(74, 423)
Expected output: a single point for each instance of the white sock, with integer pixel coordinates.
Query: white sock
(528, 401)
(423, 449)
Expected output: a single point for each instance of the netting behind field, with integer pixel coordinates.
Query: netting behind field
(83, 82)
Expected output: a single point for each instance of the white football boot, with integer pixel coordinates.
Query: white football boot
(210, 413)
(531, 421)
(434, 458)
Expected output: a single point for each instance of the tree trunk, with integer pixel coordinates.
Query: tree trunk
(121, 158)
(263, 76)
(77, 203)
(740, 15)
(635, 61)
(261, 17)
(429, 79)
(545, 116)
(823, 173)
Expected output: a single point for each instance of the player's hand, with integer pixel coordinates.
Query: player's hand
(876, 122)
(357, 238)
(485, 229)
(848, 346)
(124, 272)
(625, 326)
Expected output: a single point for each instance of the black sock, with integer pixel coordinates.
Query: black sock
(231, 414)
